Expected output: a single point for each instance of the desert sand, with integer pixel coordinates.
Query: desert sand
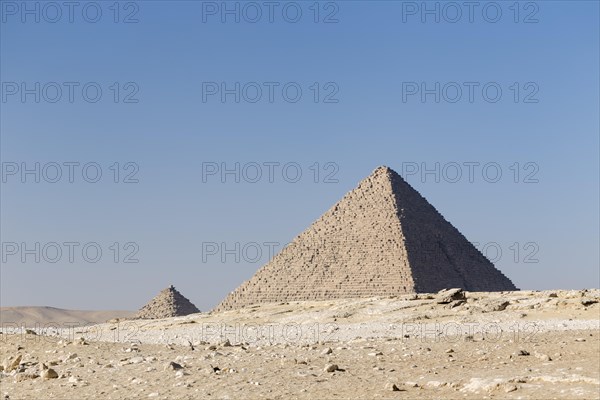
(31, 315)
(445, 345)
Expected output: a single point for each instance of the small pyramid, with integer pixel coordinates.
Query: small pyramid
(168, 303)
(382, 239)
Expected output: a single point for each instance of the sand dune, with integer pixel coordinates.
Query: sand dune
(30, 316)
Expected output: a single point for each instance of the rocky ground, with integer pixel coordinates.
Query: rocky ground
(447, 345)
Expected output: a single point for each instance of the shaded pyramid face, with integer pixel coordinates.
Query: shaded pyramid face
(168, 303)
(382, 239)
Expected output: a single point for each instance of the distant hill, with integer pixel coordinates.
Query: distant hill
(30, 316)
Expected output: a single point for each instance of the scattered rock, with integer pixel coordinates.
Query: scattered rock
(48, 373)
(497, 305)
(331, 368)
(180, 374)
(477, 385)
(446, 296)
(393, 387)
(544, 357)
(12, 363)
(457, 303)
(326, 351)
(436, 384)
(510, 388)
(81, 342)
(26, 376)
(173, 366)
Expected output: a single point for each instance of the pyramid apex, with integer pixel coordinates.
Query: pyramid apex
(382, 168)
(383, 173)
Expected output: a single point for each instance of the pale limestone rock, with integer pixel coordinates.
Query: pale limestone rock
(48, 373)
(326, 351)
(12, 363)
(449, 295)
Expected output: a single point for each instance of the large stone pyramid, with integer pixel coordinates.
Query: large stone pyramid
(383, 238)
(168, 303)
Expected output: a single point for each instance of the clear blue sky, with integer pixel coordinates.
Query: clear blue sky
(366, 67)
